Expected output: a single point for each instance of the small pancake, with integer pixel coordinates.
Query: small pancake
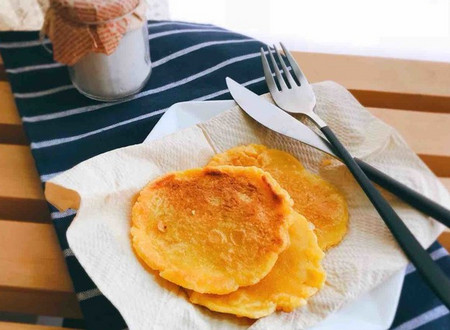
(316, 199)
(212, 229)
(296, 276)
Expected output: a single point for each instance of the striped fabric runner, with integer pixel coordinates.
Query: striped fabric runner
(190, 62)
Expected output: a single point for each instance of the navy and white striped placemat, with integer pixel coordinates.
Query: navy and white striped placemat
(190, 62)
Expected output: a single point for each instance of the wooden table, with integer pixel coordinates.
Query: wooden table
(412, 96)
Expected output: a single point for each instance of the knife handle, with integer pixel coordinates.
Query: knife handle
(426, 267)
(408, 195)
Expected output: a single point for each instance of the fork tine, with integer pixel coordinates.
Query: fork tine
(285, 69)
(295, 67)
(268, 74)
(280, 78)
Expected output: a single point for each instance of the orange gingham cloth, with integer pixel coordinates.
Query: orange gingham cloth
(77, 27)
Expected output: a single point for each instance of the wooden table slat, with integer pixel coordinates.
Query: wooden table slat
(24, 326)
(11, 130)
(34, 274)
(21, 195)
(383, 82)
(30, 255)
(47, 303)
(425, 103)
(9, 113)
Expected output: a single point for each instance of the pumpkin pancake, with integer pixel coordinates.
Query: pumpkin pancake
(316, 199)
(296, 276)
(214, 229)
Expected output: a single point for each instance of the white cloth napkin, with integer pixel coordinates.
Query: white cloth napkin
(107, 186)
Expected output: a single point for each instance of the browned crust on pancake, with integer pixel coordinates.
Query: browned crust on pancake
(315, 198)
(213, 229)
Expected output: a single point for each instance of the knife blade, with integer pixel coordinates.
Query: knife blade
(272, 117)
(275, 119)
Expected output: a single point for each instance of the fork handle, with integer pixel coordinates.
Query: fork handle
(430, 271)
(410, 196)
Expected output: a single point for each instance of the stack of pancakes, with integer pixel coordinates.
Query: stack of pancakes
(244, 235)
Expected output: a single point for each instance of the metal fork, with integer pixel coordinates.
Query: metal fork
(300, 98)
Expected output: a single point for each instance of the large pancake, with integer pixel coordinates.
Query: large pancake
(213, 229)
(296, 276)
(316, 199)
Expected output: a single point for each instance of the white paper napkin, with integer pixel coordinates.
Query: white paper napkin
(107, 186)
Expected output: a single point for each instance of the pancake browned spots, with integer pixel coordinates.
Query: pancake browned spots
(296, 276)
(213, 229)
(316, 199)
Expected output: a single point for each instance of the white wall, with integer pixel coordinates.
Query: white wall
(415, 29)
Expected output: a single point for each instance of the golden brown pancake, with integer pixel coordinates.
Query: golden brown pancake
(212, 229)
(316, 199)
(296, 276)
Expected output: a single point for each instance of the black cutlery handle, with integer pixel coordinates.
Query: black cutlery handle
(427, 268)
(410, 196)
